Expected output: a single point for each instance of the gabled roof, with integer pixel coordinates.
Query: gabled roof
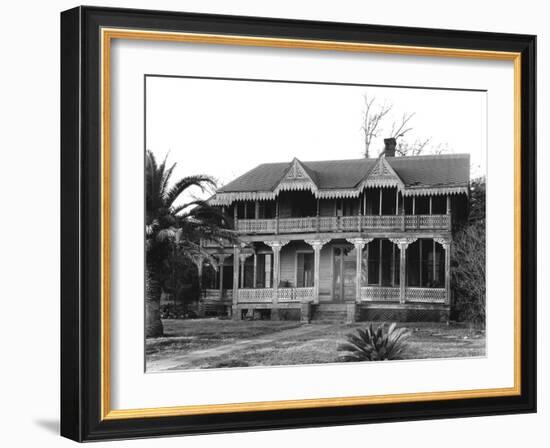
(431, 174)
(297, 177)
(382, 174)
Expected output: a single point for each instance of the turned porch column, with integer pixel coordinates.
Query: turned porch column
(254, 278)
(221, 258)
(446, 244)
(242, 260)
(449, 211)
(403, 244)
(199, 263)
(236, 253)
(276, 247)
(359, 244)
(317, 245)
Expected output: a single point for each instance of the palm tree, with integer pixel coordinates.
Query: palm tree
(174, 231)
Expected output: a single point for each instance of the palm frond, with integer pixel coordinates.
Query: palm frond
(200, 181)
(167, 174)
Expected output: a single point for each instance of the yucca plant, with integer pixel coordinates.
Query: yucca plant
(371, 344)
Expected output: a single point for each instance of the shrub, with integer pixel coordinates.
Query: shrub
(468, 261)
(374, 344)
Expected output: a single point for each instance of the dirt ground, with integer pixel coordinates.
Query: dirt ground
(218, 343)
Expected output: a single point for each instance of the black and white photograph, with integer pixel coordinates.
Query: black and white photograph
(293, 222)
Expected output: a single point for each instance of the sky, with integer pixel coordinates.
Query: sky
(224, 128)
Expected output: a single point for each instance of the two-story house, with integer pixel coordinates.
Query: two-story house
(356, 239)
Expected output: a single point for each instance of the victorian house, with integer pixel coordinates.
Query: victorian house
(342, 239)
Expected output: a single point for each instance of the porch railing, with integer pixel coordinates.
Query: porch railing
(214, 294)
(344, 223)
(255, 295)
(265, 295)
(412, 294)
(368, 294)
(295, 294)
(425, 295)
(379, 294)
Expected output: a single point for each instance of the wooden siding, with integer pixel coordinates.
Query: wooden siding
(288, 261)
(288, 266)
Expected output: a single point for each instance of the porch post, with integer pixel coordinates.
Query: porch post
(276, 248)
(199, 274)
(242, 260)
(241, 278)
(359, 244)
(449, 211)
(221, 263)
(402, 270)
(277, 215)
(317, 246)
(403, 244)
(447, 248)
(255, 269)
(446, 244)
(397, 201)
(236, 253)
(403, 212)
(380, 261)
(317, 221)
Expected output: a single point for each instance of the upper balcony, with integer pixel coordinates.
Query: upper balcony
(344, 224)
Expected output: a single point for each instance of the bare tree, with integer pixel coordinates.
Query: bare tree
(372, 117)
(373, 120)
(415, 148)
(399, 129)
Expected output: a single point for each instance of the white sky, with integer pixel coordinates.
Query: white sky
(225, 128)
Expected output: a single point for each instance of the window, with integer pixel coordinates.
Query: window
(426, 264)
(381, 261)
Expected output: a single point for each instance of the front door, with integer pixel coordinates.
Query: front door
(344, 271)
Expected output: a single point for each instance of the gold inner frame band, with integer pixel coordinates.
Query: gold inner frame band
(107, 35)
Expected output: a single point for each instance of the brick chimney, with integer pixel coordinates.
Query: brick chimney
(389, 147)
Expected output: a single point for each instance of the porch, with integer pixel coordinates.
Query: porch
(301, 274)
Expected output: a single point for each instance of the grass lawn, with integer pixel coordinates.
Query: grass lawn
(216, 343)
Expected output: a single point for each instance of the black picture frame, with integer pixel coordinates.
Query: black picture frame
(81, 224)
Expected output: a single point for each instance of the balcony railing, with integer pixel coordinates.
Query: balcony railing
(344, 224)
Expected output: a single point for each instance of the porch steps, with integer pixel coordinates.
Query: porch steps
(329, 313)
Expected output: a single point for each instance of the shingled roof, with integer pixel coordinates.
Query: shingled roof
(449, 172)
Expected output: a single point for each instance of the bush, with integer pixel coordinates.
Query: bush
(468, 261)
(374, 344)
(173, 311)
